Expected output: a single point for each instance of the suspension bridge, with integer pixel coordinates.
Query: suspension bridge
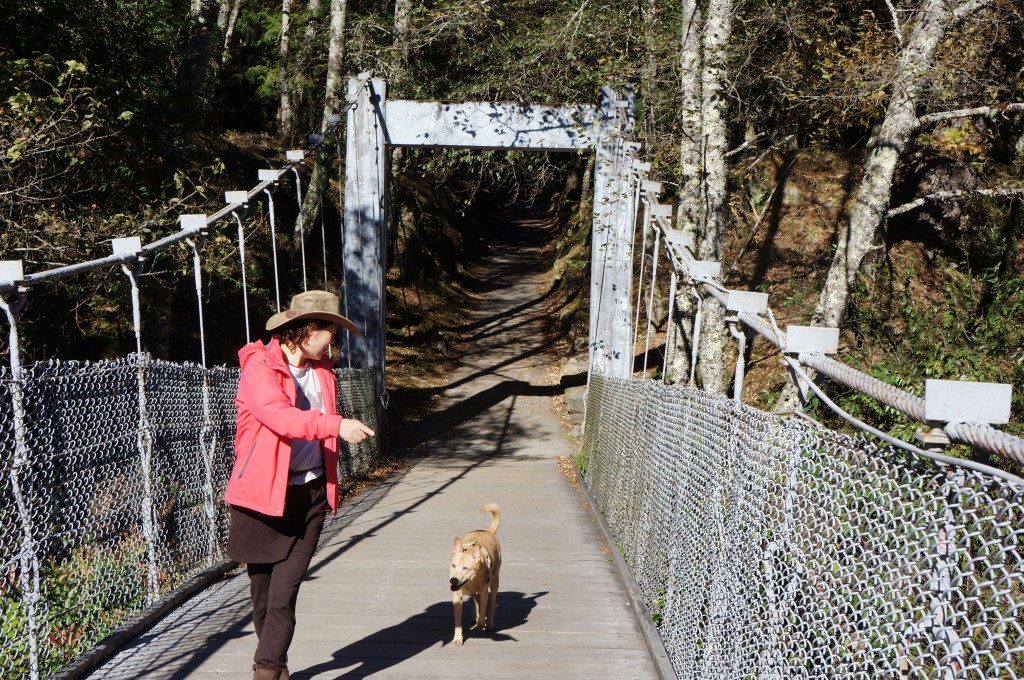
(706, 539)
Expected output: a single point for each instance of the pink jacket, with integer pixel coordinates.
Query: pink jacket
(268, 421)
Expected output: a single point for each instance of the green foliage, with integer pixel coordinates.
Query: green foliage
(84, 597)
(581, 459)
(967, 328)
(658, 607)
(51, 120)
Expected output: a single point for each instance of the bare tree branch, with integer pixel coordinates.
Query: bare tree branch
(969, 7)
(976, 111)
(745, 144)
(952, 196)
(895, 22)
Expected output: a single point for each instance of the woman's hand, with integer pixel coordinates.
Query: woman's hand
(353, 431)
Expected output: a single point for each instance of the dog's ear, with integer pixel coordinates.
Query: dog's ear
(457, 546)
(476, 552)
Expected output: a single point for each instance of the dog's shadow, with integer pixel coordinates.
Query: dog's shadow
(393, 645)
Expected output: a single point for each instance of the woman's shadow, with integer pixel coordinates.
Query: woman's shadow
(395, 644)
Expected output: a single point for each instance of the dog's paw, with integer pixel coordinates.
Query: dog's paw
(457, 641)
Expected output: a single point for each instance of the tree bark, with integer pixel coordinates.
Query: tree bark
(286, 113)
(226, 21)
(306, 55)
(650, 70)
(715, 142)
(679, 328)
(333, 98)
(335, 55)
(703, 59)
(934, 18)
(679, 342)
(898, 126)
(402, 30)
(690, 155)
(191, 89)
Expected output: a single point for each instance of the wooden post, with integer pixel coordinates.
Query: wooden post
(611, 351)
(364, 247)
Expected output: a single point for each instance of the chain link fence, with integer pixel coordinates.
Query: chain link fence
(770, 547)
(113, 478)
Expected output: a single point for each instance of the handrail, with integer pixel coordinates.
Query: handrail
(979, 435)
(7, 287)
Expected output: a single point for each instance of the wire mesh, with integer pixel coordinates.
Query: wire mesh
(772, 547)
(113, 479)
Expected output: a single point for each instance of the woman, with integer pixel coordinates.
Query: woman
(286, 464)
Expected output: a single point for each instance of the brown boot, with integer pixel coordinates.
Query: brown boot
(262, 671)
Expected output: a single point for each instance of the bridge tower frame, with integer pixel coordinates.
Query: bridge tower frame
(374, 124)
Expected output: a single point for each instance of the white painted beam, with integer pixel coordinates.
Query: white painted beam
(491, 125)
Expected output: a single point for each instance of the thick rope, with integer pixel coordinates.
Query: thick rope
(979, 435)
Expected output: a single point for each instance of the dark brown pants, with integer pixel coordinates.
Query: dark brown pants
(274, 585)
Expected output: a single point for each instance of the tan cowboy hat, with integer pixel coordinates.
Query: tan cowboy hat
(314, 304)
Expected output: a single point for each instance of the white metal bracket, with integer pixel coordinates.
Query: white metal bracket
(962, 400)
(126, 245)
(295, 154)
(193, 222)
(811, 339)
(705, 269)
(746, 301)
(678, 239)
(239, 198)
(11, 270)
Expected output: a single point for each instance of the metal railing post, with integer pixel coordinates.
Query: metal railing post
(28, 560)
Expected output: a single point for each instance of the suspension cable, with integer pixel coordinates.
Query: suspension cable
(155, 246)
(197, 269)
(245, 288)
(301, 227)
(136, 311)
(978, 435)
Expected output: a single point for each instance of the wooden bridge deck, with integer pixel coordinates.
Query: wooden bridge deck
(377, 602)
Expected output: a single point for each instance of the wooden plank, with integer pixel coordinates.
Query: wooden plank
(365, 172)
(376, 602)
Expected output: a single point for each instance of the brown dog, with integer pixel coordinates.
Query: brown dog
(476, 561)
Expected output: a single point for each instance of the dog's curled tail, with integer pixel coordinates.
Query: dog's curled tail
(495, 516)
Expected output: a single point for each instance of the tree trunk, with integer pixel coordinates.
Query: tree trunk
(226, 21)
(679, 342)
(286, 113)
(307, 52)
(717, 34)
(402, 28)
(335, 55)
(650, 70)
(690, 155)
(191, 89)
(333, 98)
(679, 328)
(885, 151)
